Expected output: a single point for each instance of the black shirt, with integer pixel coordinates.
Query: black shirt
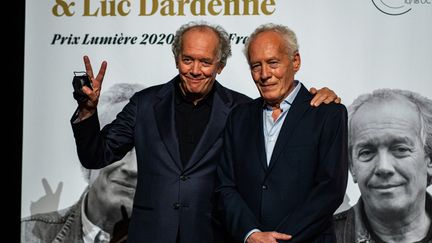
(191, 121)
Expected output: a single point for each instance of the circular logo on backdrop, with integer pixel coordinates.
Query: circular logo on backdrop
(392, 7)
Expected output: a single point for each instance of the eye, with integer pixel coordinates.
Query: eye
(186, 60)
(273, 64)
(206, 63)
(255, 67)
(365, 154)
(401, 150)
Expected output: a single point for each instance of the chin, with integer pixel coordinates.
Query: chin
(270, 99)
(391, 206)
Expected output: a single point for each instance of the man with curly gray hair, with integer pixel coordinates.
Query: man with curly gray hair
(390, 154)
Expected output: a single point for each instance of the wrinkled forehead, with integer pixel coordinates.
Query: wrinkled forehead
(387, 111)
(389, 118)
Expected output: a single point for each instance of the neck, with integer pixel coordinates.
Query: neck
(192, 97)
(410, 226)
(100, 215)
(275, 104)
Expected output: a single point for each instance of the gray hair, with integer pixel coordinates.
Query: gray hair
(424, 107)
(112, 102)
(287, 34)
(224, 46)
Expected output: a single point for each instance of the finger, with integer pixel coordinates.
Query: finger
(313, 90)
(102, 70)
(317, 100)
(338, 100)
(88, 67)
(46, 186)
(328, 100)
(97, 82)
(331, 99)
(92, 96)
(281, 236)
(59, 188)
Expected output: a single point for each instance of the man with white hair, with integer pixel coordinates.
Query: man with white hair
(390, 151)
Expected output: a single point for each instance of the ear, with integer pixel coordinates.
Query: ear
(296, 61)
(429, 169)
(220, 68)
(353, 174)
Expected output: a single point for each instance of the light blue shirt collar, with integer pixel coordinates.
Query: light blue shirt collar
(272, 128)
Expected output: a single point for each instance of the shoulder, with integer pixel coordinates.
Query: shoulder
(332, 109)
(344, 226)
(154, 90)
(304, 96)
(342, 216)
(153, 94)
(343, 220)
(54, 217)
(247, 109)
(231, 95)
(46, 226)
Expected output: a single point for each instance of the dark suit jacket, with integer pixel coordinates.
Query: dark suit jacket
(305, 181)
(170, 199)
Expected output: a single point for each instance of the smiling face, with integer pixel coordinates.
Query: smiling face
(271, 66)
(388, 159)
(198, 62)
(115, 184)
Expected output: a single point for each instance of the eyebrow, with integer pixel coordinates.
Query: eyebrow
(391, 139)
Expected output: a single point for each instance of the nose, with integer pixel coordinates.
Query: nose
(265, 73)
(196, 68)
(130, 169)
(384, 164)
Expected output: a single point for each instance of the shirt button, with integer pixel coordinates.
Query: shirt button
(184, 178)
(264, 187)
(176, 206)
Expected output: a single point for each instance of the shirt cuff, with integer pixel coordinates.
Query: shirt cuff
(249, 233)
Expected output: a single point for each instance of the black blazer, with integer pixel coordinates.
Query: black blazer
(170, 199)
(305, 181)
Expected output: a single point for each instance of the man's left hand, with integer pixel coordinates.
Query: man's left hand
(325, 95)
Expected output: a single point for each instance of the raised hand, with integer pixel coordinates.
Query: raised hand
(88, 108)
(49, 201)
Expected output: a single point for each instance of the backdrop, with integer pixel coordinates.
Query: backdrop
(353, 47)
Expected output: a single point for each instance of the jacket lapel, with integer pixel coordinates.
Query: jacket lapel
(257, 119)
(164, 113)
(295, 113)
(219, 113)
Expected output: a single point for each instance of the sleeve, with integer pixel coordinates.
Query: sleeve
(239, 219)
(98, 148)
(330, 182)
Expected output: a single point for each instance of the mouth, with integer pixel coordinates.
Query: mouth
(266, 85)
(194, 78)
(385, 187)
(123, 183)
